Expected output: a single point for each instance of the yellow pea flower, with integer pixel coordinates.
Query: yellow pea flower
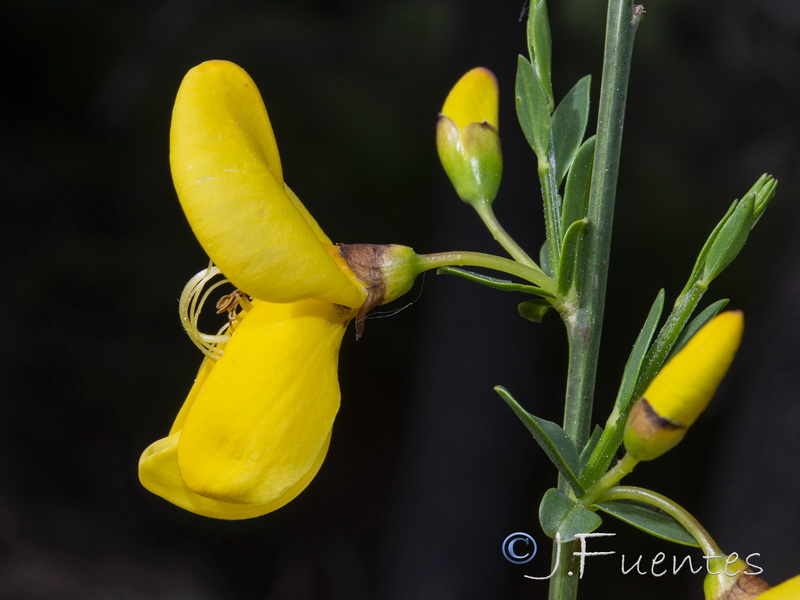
(256, 425)
(467, 138)
(683, 388)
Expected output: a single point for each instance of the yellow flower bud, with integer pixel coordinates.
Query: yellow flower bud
(683, 388)
(467, 138)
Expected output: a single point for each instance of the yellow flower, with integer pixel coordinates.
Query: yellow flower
(683, 388)
(467, 137)
(256, 425)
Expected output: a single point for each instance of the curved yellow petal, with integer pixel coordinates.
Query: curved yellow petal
(160, 474)
(473, 99)
(227, 172)
(264, 412)
(256, 424)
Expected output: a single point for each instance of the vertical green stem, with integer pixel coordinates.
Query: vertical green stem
(584, 322)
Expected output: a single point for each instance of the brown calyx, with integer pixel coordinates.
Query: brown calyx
(366, 261)
(745, 588)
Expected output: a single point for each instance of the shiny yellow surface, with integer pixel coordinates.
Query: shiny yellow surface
(788, 590)
(256, 425)
(473, 99)
(227, 172)
(684, 386)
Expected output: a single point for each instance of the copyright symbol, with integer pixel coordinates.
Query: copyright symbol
(519, 548)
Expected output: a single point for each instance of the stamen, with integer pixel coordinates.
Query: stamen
(193, 298)
(230, 302)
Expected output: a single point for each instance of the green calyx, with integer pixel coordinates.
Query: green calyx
(729, 579)
(472, 158)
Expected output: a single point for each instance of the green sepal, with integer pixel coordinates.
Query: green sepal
(569, 126)
(570, 255)
(606, 449)
(648, 519)
(560, 515)
(494, 282)
(579, 180)
(730, 239)
(557, 445)
(704, 317)
(533, 109)
(540, 46)
(534, 310)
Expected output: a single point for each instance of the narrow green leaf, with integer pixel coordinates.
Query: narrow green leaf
(556, 444)
(762, 191)
(606, 449)
(730, 240)
(534, 310)
(559, 514)
(544, 259)
(533, 109)
(630, 374)
(569, 125)
(494, 282)
(649, 520)
(588, 449)
(701, 258)
(579, 179)
(570, 249)
(696, 323)
(540, 46)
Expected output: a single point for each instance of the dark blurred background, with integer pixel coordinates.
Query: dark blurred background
(428, 470)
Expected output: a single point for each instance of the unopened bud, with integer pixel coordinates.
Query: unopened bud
(683, 388)
(467, 137)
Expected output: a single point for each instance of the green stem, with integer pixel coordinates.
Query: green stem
(584, 323)
(531, 273)
(486, 213)
(612, 476)
(673, 509)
